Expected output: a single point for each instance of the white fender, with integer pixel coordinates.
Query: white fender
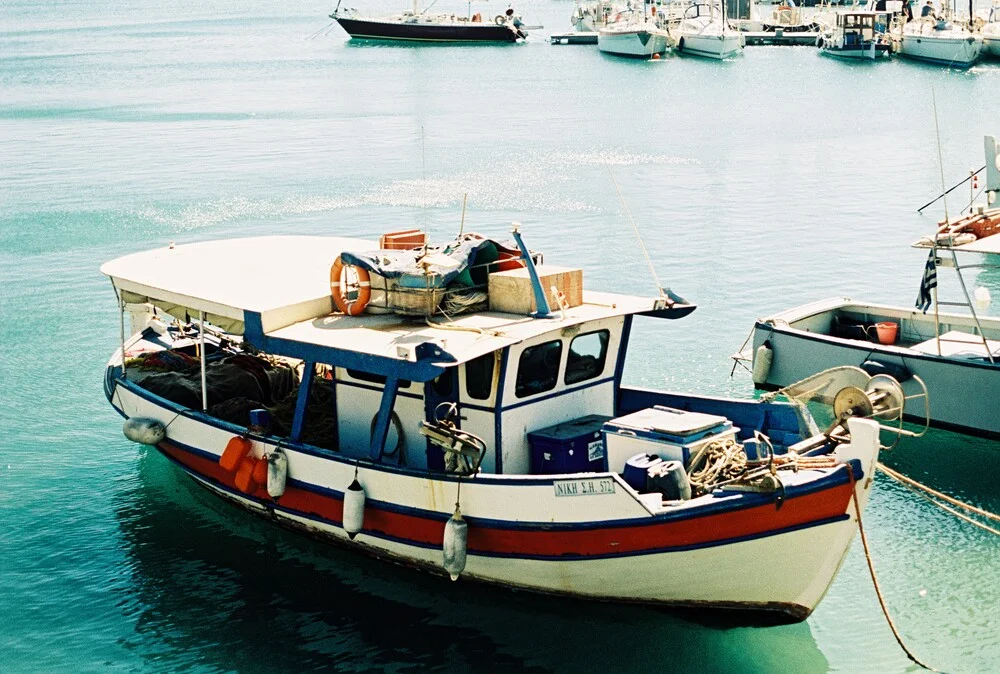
(354, 509)
(144, 431)
(456, 543)
(277, 473)
(762, 358)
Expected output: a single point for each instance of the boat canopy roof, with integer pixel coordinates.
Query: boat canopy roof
(275, 290)
(988, 245)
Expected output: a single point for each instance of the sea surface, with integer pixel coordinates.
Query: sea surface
(761, 183)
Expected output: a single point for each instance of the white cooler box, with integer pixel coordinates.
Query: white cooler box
(671, 434)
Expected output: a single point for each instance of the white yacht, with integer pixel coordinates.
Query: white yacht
(633, 33)
(941, 41)
(704, 32)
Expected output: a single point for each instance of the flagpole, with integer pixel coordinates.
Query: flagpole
(947, 223)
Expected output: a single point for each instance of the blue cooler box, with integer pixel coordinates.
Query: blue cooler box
(572, 447)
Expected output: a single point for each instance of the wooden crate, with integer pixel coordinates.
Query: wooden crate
(510, 291)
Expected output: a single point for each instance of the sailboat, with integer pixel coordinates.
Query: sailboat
(633, 33)
(941, 40)
(703, 32)
(416, 25)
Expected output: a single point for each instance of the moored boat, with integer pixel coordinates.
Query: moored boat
(991, 33)
(418, 26)
(633, 33)
(856, 36)
(461, 409)
(957, 355)
(940, 41)
(704, 31)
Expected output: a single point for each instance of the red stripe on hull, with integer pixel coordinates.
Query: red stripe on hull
(698, 531)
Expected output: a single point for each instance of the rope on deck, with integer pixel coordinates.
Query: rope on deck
(926, 492)
(878, 590)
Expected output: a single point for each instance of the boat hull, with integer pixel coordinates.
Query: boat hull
(426, 32)
(953, 52)
(522, 534)
(639, 43)
(857, 53)
(991, 46)
(798, 353)
(711, 46)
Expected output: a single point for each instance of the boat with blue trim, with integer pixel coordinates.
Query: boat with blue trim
(461, 409)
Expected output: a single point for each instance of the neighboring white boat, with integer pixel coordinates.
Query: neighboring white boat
(633, 33)
(940, 41)
(497, 445)
(590, 17)
(991, 33)
(957, 355)
(856, 35)
(704, 31)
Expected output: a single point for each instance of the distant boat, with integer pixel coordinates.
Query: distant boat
(418, 26)
(633, 33)
(703, 32)
(941, 41)
(856, 35)
(991, 33)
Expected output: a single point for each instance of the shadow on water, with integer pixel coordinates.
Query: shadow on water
(208, 579)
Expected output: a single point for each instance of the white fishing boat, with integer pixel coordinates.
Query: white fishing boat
(856, 35)
(991, 33)
(704, 31)
(957, 354)
(461, 409)
(634, 33)
(940, 41)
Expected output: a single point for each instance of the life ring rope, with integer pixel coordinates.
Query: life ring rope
(339, 291)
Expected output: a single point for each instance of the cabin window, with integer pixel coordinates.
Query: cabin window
(538, 369)
(374, 378)
(587, 355)
(479, 376)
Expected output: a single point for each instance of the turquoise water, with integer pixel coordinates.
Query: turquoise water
(775, 179)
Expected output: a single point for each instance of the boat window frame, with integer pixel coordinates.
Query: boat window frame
(602, 360)
(464, 380)
(556, 382)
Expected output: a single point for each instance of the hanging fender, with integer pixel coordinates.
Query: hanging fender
(456, 544)
(762, 359)
(277, 473)
(354, 509)
(236, 450)
(144, 431)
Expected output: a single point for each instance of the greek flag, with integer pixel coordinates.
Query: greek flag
(927, 283)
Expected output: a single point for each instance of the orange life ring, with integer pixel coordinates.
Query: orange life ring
(350, 307)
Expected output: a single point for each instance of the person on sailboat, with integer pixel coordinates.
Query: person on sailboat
(907, 11)
(928, 10)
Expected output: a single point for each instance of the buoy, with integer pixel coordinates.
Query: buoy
(456, 543)
(260, 470)
(144, 431)
(762, 358)
(354, 509)
(277, 473)
(656, 57)
(236, 450)
(244, 476)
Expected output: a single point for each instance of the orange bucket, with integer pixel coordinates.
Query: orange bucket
(887, 332)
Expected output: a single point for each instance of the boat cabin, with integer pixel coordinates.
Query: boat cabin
(521, 362)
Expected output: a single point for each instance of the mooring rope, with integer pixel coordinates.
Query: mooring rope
(878, 590)
(914, 485)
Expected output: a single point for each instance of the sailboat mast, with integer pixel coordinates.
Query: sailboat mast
(416, 7)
